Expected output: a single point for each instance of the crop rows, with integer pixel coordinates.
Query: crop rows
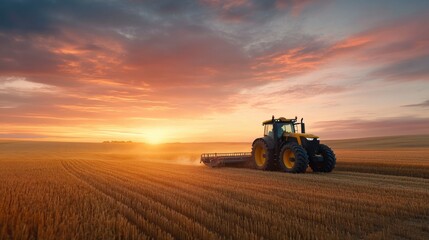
(39, 200)
(398, 162)
(206, 203)
(54, 195)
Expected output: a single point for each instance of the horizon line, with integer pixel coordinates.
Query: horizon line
(178, 142)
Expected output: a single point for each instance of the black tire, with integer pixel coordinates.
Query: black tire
(293, 158)
(329, 160)
(262, 156)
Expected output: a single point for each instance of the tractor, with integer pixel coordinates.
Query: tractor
(281, 148)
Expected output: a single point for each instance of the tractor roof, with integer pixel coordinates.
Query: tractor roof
(281, 119)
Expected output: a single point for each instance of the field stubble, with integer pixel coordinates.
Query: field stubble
(87, 191)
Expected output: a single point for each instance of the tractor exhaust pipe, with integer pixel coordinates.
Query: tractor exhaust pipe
(302, 125)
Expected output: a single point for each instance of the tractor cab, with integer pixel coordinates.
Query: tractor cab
(284, 129)
(275, 128)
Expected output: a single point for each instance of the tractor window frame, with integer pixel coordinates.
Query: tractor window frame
(268, 130)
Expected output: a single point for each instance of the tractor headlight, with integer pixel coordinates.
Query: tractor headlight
(310, 139)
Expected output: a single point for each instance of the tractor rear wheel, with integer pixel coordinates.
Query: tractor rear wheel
(293, 158)
(329, 160)
(262, 156)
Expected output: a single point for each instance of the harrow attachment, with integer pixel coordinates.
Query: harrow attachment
(221, 159)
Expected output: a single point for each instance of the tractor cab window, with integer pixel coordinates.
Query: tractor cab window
(268, 130)
(289, 128)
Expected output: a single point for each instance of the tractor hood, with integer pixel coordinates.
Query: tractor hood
(298, 135)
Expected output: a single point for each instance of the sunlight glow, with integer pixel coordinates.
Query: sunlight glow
(155, 136)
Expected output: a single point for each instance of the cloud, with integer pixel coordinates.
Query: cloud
(415, 68)
(196, 56)
(399, 49)
(48, 17)
(309, 90)
(253, 10)
(19, 56)
(297, 59)
(21, 84)
(22, 136)
(422, 104)
(356, 128)
(137, 51)
(25, 16)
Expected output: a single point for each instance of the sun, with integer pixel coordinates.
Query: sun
(155, 136)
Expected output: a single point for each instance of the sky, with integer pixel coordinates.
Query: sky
(211, 70)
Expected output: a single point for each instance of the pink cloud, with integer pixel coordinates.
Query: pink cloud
(356, 128)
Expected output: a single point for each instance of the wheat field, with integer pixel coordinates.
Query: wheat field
(137, 191)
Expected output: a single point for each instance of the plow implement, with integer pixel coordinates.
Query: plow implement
(222, 159)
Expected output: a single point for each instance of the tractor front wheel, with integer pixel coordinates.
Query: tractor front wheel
(329, 160)
(293, 158)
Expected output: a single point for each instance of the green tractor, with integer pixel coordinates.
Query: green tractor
(281, 148)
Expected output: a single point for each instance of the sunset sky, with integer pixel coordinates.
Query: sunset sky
(211, 70)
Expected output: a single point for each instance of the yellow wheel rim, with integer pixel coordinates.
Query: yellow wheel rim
(289, 158)
(260, 156)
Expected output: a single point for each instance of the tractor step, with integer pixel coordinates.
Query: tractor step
(220, 159)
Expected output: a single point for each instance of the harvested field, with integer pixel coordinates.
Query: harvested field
(400, 162)
(135, 191)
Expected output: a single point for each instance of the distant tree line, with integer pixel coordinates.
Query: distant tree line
(117, 142)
